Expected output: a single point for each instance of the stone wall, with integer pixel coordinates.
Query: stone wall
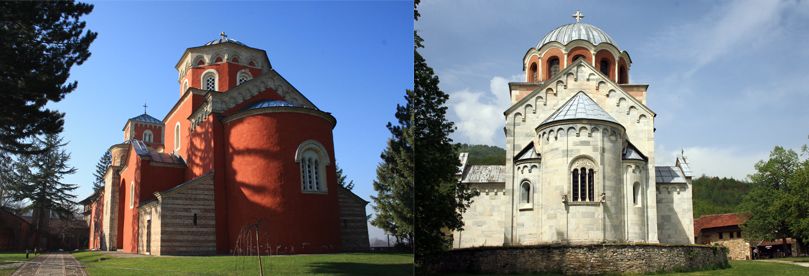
(483, 220)
(580, 259)
(179, 234)
(353, 222)
(738, 249)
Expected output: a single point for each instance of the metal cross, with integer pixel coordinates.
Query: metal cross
(144, 107)
(578, 15)
(223, 35)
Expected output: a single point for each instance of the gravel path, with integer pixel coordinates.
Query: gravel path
(52, 264)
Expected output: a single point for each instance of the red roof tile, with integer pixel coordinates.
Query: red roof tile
(719, 220)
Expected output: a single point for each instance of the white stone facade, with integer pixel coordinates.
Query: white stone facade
(550, 138)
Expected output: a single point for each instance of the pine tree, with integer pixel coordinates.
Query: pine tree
(41, 41)
(101, 170)
(341, 179)
(441, 199)
(40, 183)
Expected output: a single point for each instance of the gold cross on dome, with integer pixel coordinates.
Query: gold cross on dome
(578, 15)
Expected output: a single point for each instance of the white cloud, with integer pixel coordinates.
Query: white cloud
(725, 30)
(714, 161)
(479, 115)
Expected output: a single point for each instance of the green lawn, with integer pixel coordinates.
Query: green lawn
(387, 264)
(753, 268)
(7, 258)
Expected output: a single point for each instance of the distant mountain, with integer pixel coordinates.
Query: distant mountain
(483, 154)
(714, 195)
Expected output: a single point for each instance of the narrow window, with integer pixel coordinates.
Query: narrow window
(533, 73)
(195, 219)
(525, 197)
(583, 184)
(309, 173)
(177, 136)
(147, 136)
(635, 193)
(591, 185)
(210, 81)
(303, 174)
(317, 175)
(553, 67)
(575, 187)
(131, 195)
(605, 67)
(243, 77)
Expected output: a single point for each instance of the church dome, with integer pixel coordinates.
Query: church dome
(223, 38)
(577, 31)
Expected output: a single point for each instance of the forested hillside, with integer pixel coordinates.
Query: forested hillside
(483, 154)
(714, 195)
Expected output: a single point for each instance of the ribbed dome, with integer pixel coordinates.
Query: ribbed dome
(567, 33)
(223, 38)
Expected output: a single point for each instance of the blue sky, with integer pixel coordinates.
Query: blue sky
(727, 78)
(353, 59)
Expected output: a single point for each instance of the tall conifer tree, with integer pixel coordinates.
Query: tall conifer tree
(40, 182)
(440, 198)
(101, 170)
(40, 42)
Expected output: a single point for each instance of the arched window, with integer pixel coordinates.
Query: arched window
(313, 159)
(532, 73)
(575, 187)
(525, 195)
(218, 60)
(553, 67)
(177, 136)
(234, 59)
(577, 57)
(622, 75)
(209, 81)
(583, 180)
(148, 137)
(636, 194)
(243, 77)
(605, 67)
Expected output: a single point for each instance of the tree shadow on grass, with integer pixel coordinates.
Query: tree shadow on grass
(347, 268)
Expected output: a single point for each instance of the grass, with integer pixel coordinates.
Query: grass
(8, 258)
(387, 264)
(796, 259)
(753, 268)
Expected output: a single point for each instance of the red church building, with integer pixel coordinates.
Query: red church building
(241, 148)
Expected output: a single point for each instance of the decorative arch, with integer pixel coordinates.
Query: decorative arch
(177, 137)
(243, 76)
(529, 108)
(533, 72)
(209, 79)
(185, 86)
(583, 172)
(313, 159)
(636, 194)
(199, 60)
(148, 136)
(526, 194)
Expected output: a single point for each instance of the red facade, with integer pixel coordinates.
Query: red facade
(250, 150)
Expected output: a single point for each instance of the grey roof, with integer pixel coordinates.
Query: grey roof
(566, 33)
(632, 153)
(485, 174)
(271, 103)
(527, 153)
(683, 164)
(146, 118)
(580, 106)
(223, 39)
(144, 151)
(669, 174)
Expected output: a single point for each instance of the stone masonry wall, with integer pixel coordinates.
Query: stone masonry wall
(580, 259)
(353, 222)
(179, 234)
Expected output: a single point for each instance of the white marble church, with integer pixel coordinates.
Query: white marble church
(580, 161)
